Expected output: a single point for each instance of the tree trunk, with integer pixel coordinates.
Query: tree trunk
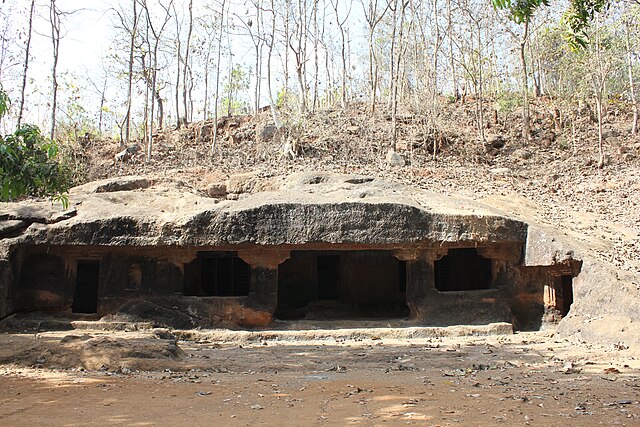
(54, 17)
(600, 139)
(176, 98)
(286, 50)
(392, 52)
(134, 30)
(454, 76)
(316, 71)
(214, 143)
(526, 127)
(634, 101)
(396, 76)
(185, 89)
(274, 113)
(26, 63)
(343, 55)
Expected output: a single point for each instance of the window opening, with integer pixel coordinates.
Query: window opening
(462, 270)
(224, 276)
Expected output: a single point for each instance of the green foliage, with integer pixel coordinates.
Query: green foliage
(520, 11)
(29, 164)
(577, 18)
(4, 102)
(237, 82)
(284, 98)
(570, 73)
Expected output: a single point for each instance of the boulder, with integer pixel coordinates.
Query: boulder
(217, 189)
(395, 159)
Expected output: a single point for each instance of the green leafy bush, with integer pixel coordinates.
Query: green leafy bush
(29, 164)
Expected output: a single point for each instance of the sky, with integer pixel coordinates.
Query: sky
(85, 37)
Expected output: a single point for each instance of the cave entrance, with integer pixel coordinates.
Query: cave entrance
(366, 284)
(462, 269)
(328, 275)
(566, 284)
(87, 283)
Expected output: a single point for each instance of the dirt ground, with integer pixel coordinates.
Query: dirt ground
(150, 378)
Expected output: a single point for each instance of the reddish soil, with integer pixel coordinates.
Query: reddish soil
(524, 379)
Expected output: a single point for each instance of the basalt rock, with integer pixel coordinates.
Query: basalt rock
(310, 244)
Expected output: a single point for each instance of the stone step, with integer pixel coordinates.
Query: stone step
(344, 334)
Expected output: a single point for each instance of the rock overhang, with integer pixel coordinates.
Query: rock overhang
(302, 209)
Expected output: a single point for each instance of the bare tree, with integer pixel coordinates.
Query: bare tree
(253, 26)
(373, 16)
(178, 61)
(270, 43)
(398, 48)
(473, 65)
(55, 21)
(526, 122)
(132, 30)
(316, 44)
(223, 14)
(185, 85)
(26, 62)
(207, 23)
(452, 62)
(632, 91)
(343, 52)
(298, 45)
(152, 72)
(101, 89)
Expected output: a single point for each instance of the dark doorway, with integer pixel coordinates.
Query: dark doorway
(87, 281)
(328, 277)
(462, 270)
(567, 294)
(360, 284)
(402, 277)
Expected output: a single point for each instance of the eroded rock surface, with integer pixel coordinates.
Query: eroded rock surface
(318, 209)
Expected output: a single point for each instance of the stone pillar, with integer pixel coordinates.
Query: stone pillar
(264, 264)
(6, 280)
(420, 278)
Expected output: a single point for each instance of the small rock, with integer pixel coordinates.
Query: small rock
(218, 189)
(550, 179)
(268, 132)
(496, 141)
(233, 196)
(499, 171)
(522, 154)
(395, 159)
(241, 183)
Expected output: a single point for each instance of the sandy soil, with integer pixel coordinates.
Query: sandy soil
(523, 379)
